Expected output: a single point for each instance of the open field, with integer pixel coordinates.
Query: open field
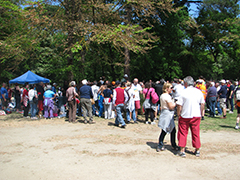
(56, 149)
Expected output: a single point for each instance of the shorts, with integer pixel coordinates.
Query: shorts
(137, 105)
(222, 102)
(238, 109)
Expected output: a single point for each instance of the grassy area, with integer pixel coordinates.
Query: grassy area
(216, 124)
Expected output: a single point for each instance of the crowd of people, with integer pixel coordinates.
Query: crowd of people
(186, 100)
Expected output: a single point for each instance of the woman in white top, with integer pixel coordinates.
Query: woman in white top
(32, 94)
(166, 119)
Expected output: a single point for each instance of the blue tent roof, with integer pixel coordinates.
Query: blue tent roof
(30, 78)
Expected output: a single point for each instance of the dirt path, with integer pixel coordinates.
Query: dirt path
(56, 149)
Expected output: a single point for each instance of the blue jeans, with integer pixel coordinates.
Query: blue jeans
(231, 103)
(119, 118)
(212, 102)
(33, 108)
(219, 108)
(133, 115)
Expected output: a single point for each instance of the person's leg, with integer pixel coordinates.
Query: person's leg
(146, 115)
(110, 111)
(34, 109)
(219, 109)
(119, 114)
(70, 111)
(89, 109)
(161, 138)
(152, 115)
(84, 109)
(231, 102)
(195, 130)
(173, 138)
(238, 118)
(105, 111)
(134, 115)
(183, 126)
(128, 115)
(74, 111)
(31, 108)
(210, 105)
(214, 105)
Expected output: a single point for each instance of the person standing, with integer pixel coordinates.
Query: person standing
(95, 89)
(86, 104)
(223, 98)
(211, 96)
(237, 105)
(33, 101)
(190, 106)
(4, 96)
(230, 96)
(137, 91)
(40, 92)
(48, 97)
(108, 94)
(201, 86)
(25, 100)
(166, 119)
(148, 106)
(120, 97)
(71, 98)
(130, 106)
(17, 95)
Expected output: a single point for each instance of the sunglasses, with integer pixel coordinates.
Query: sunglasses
(171, 88)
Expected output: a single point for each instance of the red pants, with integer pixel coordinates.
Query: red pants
(183, 126)
(40, 105)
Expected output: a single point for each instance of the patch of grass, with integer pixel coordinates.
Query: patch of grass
(217, 124)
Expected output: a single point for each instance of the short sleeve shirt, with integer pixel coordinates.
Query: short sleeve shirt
(190, 100)
(48, 94)
(165, 98)
(137, 88)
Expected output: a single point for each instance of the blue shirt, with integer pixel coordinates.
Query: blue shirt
(107, 93)
(48, 94)
(3, 91)
(212, 91)
(223, 92)
(86, 92)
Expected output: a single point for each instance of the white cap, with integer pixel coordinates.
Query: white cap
(223, 81)
(84, 81)
(125, 75)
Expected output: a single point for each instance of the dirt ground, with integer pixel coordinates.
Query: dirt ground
(55, 149)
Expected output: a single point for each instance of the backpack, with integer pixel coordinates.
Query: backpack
(238, 94)
(154, 97)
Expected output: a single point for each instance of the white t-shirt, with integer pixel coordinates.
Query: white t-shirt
(31, 94)
(177, 88)
(137, 88)
(95, 89)
(190, 100)
(165, 98)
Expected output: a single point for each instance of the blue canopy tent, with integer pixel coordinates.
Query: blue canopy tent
(29, 77)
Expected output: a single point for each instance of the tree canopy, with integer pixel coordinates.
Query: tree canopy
(67, 40)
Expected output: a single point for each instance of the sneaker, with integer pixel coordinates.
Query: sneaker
(203, 118)
(197, 153)
(230, 112)
(181, 154)
(160, 148)
(123, 126)
(237, 127)
(153, 123)
(85, 121)
(135, 122)
(147, 122)
(92, 122)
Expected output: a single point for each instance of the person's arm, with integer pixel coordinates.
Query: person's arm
(202, 108)
(114, 97)
(179, 110)
(171, 105)
(125, 97)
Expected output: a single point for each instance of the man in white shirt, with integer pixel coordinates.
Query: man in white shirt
(137, 90)
(190, 107)
(95, 89)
